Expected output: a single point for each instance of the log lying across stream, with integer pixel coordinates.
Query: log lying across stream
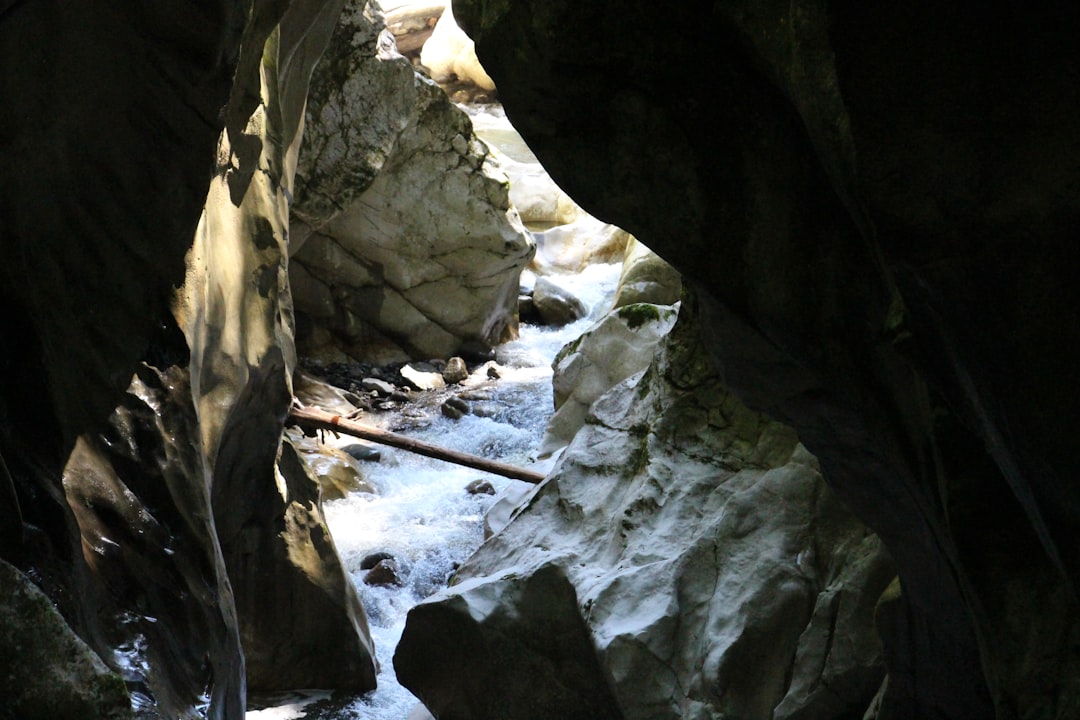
(307, 417)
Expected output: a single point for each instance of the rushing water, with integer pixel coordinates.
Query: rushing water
(422, 514)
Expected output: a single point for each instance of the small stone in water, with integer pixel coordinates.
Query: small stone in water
(454, 408)
(375, 385)
(455, 370)
(493, 373)
(384, 573)
(374, 559)
(480, 487)
(363, 452)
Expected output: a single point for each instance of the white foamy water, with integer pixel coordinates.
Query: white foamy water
(422, 514)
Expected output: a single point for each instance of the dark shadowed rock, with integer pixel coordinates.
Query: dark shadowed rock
(708, 568)
(46, 671)
(880, 220)
(555, 304)
(455, 371)
(480, 487)
(384, 573)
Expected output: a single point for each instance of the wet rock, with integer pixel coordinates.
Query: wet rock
(399, 208)
(363, 453)
(527, 312)
(480, 487)
(310, 390)
(555, 304)
(385, 573)
(570, 247)
(337, 472)
(455, 371)
(493, 372)
(455, 408)
(487, 409)
(422, 379)
(380, 387)
(46, 671)
(619, 346)
(683, 543)
(646, 278)
(370, 561)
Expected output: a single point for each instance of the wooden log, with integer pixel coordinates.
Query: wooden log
(307, 417)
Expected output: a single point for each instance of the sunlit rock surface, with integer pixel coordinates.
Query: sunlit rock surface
(205, 568)
(404, 241)
(693, 544)
(109, 124)
(878, 202)
(620, 345)
(646, 278)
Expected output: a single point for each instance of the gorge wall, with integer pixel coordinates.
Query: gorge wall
(874, 206)
(877, 207)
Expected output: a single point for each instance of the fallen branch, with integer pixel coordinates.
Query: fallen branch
(307, 417)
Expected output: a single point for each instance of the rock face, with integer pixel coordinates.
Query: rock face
(405, 245)
(46, 671)
(193, 557)
(686, 554)
(620, 345)
(646, 278)
(880, 215)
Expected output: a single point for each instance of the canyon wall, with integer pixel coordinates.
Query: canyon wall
(877, 208)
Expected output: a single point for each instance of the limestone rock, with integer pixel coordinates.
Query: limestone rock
(400, 212)
(555, 304)
(526, 652)
(383, 573)
(144, 509)
(857, 285)
(455, 371)
(620, 345)
(689, 543)
(337, 472)
(569, 247)
(422, 379)
(646, 278)
(46, 671)
(480, 487)
(450, 56)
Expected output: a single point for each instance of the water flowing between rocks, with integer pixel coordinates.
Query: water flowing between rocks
(422, 514)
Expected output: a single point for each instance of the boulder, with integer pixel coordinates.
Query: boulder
(569, 247)
(555, 304)
(450, 57)
(383, 574)
(684, 560)
(336, 471)
(646, 278)
(47, 671)
(850, 213)
(617, 347)
(455, 371)
(420, 379)
(480, 487)
(400, 212)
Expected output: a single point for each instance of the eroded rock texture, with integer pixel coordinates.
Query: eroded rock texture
(404, 243)
(196, 561)
(690, 547)
(878, 205)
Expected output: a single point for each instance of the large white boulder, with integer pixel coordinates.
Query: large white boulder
(404, 241)
(683, 560)
(620, 345)
(451, 56)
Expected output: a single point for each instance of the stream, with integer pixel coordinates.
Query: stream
(423, 515)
